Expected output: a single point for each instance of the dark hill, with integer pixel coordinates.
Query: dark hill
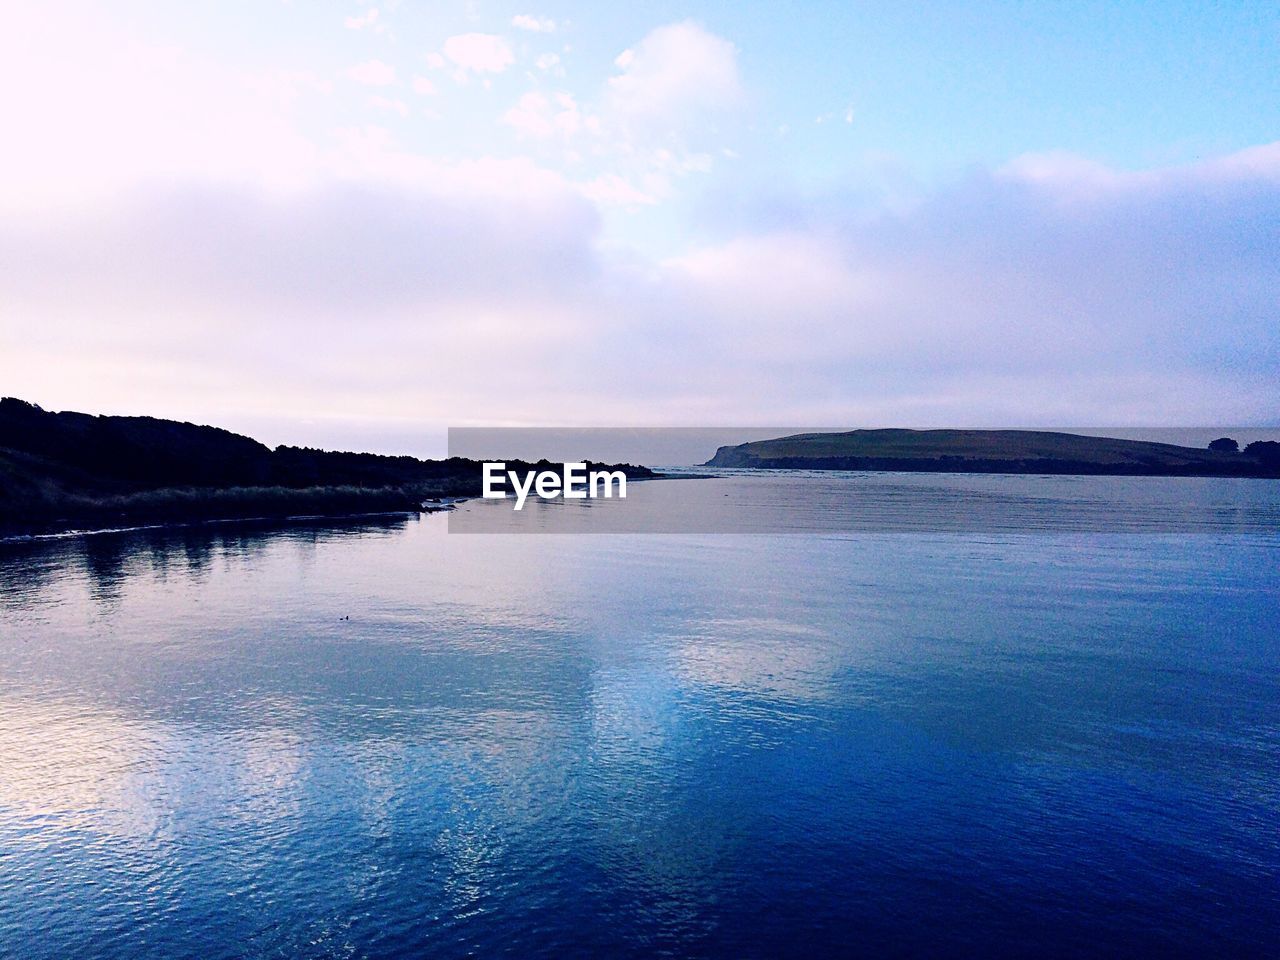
(993, 451)
(64, 470)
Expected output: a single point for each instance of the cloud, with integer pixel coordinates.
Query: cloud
(669, 108)
(417, 270)
(649, 126)
(676, 72)
(819, 280)
(175, 244)
(846, 115)
(531, 115)
(479, 52)
(612, 190)
(373, 73)
(1045, 292)
(524, 21)
(366, 19)
(389, 105)
(1040, 293)
(423, 86)
(537, 115)
(111, 108)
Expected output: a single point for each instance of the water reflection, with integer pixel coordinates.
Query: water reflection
(815, 502)
(381, 740)
(103, 562)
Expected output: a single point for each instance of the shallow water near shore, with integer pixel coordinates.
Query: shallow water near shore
(380, 739)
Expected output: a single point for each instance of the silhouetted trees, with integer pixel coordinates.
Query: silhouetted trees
(73, 469)
(1266, 452)
(1225, 445)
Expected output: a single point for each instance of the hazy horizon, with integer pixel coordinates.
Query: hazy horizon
(315, 222)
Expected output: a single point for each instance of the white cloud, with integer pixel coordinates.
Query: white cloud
(531, 115)
(666, 161)
(373, 73)
(435, 61)
(173, 235)
(612, 190)
(524, 21)
(1001, 298)
(110, 109)
(287, 87)
(793, 274)
(423, 86)
(537, 115)
(479, 52)
(367, 19)
(674, 72)
(651, 124)
(389, 105)
(846, 115)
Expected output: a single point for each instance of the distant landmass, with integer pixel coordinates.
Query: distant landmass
(74, 470)
(999, 451)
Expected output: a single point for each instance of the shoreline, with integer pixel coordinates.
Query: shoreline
(74, 532)
(443, 503)
(992, 468)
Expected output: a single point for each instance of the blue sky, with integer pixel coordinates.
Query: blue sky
(936, 84)
(304, 216)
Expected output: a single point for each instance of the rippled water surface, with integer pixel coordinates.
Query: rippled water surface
(385, 740)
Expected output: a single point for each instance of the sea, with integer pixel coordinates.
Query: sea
(847, 715)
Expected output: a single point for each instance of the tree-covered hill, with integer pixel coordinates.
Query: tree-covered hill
(64, 470)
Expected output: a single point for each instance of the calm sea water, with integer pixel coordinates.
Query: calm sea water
(385, 740)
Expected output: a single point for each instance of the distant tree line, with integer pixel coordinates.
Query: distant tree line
(1266, 452)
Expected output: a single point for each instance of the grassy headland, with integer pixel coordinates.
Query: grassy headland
(997, 451)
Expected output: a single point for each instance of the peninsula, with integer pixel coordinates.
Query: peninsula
(998, 451)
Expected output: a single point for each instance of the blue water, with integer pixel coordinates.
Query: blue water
(1047, 744)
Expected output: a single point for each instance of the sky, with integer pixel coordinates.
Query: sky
(358, 223)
